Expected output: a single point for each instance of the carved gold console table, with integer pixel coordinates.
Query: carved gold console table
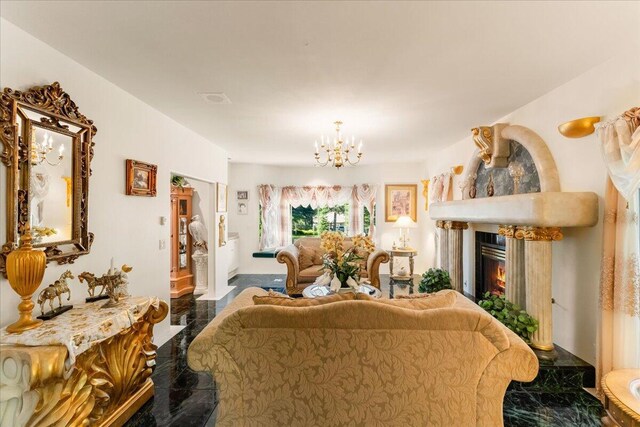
(88, 366)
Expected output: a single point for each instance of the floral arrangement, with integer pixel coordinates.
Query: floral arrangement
(342, 267)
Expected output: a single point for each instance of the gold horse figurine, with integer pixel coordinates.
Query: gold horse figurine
(55, 290)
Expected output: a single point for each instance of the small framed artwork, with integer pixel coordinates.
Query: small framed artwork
(141, 179)
(221, 200)
(243, 209)
(242, 195)
(400, 199)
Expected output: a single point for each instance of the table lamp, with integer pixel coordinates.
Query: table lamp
(404, 223)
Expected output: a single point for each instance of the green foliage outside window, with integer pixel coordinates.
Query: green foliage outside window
(306, 221)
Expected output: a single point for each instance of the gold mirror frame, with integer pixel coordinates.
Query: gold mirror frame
(59, 110)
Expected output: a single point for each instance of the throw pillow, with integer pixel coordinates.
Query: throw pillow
(302, 302)
(305, 259)
(317, 256)
(365, 256)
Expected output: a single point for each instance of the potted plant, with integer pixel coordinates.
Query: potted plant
(510, 315)
(434, 280)
(340, 264)
(179, 181)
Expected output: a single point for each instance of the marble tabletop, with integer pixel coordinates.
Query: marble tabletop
(83, 326)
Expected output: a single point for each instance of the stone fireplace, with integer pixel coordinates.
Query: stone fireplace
(490, 263)
(529, 213)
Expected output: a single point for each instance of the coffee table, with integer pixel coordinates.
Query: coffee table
(314, 291)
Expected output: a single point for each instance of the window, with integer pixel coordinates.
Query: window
(367, 219)
(309, 222)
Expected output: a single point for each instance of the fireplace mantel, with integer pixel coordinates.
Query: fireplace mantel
(546, 209)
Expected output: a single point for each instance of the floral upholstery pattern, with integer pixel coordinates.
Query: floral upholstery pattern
(359, 363)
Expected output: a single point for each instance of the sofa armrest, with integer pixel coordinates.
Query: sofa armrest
(202, 353)
(373, 266)
(289, 256)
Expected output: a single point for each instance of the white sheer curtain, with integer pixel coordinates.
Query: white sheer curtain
(440, 187)
(363, 196)
(276, 206)
(619, 337)
(269, 198)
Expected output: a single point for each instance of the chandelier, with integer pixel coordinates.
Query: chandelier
(338, 151)
(40, 151)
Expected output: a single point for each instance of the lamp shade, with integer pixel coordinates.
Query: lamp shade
(404, 221)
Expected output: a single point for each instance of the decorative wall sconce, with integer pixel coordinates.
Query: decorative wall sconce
(425, 193)
(579, 128)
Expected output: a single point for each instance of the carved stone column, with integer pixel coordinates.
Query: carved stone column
(514, 266)
(201, 261)
(443, 245)
(454, 229)
(537, 252)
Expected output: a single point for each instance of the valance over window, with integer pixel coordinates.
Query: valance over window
(276, 203)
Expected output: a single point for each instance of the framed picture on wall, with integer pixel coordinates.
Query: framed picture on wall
(242, 195)
(243, 208)
(400, 199)
(221, 200)
(141, 179)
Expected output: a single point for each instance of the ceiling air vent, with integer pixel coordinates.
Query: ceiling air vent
(215, 97)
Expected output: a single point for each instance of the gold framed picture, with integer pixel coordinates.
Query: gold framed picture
(141, 179)
(221, 199)
(400, 199)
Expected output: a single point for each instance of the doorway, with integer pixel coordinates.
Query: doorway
(191, 242)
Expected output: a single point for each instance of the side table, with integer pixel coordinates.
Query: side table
(88, 366)
(407, 252)
(400, 287)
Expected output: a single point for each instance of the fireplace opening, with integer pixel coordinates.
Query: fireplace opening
(490, 263)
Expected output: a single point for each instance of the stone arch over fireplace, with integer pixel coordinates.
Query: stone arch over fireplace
(537, 148)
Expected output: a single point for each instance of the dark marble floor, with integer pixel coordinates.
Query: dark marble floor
(186, 398)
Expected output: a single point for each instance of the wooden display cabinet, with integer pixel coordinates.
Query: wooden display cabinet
(181, 276)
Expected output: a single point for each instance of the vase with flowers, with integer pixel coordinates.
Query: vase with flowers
(342, 267)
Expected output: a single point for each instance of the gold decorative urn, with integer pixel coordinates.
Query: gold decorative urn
(25, 269)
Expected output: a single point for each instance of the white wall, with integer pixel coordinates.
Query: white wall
(607, 90)
(249, 176)
(125, 227)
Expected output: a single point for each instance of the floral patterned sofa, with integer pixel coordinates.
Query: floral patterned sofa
(304, 263)
(360, 363)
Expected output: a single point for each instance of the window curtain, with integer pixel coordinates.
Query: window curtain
(269, 198)
(276, 206)
(362, 196)
(440, 188)
(619, 335)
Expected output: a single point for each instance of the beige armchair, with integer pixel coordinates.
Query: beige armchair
(304, 264)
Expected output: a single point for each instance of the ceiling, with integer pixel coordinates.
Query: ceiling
(404, 77)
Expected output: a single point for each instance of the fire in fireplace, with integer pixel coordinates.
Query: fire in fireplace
(490, 263)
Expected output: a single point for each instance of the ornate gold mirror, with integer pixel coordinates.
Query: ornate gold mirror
(47, 149)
